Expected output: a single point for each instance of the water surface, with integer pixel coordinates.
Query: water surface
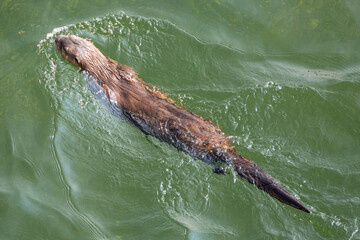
(281, 78)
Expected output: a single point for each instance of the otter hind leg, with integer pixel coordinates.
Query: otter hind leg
(221, 168)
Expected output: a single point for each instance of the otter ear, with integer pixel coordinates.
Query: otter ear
(66, 49)
(78, 62)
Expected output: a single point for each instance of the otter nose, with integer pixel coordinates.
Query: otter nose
(58, 38)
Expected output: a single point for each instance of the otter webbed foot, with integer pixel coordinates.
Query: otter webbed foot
(219, 170)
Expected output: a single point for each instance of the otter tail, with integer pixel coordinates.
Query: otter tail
(248, 170)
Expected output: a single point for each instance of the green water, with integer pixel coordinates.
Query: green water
(281, 77)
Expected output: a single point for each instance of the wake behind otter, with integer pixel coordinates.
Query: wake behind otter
(131, 99)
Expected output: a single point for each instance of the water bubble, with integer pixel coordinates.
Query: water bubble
(269, 84)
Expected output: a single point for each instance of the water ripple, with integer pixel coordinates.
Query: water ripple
(85, 220)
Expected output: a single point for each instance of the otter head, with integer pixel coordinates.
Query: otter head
(80, 52)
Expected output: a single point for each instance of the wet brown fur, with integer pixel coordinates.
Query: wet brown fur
(157, 114)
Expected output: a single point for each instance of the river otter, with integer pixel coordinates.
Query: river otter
(137, 102)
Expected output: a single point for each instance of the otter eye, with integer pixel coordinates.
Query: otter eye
(76, 60)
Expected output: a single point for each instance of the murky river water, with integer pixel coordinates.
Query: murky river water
(282, 78)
